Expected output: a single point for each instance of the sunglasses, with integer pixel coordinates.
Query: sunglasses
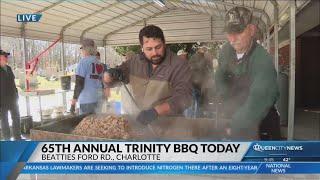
(81, 47)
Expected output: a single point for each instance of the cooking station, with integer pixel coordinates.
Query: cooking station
(165, 128)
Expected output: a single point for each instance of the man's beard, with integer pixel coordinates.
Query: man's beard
(156, 60)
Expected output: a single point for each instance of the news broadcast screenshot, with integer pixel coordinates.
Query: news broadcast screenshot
(159, 89)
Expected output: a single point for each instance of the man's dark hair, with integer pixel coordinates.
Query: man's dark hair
(151, 31)
(98, 54)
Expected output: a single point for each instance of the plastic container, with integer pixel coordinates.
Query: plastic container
(113, 107)
(117, 107)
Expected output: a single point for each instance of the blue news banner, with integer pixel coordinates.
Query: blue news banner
(260, 157)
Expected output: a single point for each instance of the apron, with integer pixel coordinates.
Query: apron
(239, 87)
(149, 91)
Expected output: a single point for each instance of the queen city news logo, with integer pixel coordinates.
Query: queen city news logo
(262, 148)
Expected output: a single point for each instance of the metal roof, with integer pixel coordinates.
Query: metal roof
(117, 22)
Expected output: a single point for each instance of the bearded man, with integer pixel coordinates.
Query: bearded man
(160, 81)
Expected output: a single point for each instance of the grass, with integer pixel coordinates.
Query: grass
(44, 84)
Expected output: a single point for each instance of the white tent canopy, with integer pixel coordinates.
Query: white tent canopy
(117, 22)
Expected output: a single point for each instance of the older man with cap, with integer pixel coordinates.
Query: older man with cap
(8, 99)
(88, 78)
(246, 81)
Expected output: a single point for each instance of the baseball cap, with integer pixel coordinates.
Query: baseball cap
(87, 43)
(237, 19)
(4, 53)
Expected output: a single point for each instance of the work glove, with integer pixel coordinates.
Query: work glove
(73, 109)
(116, 74)
(147, 116)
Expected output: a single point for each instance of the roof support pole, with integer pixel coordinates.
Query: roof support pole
(276, 37)
(63, 69)
(268, 41)
(211, 26)
(24, 49)
(24, 57)
(63, 63)
(105, 51)
(292, 69)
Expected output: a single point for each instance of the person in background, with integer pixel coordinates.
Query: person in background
(246, 82)
(106, 91)
(160, 80)
(200, 74)
(88, 78)
(98, 56)
(8, 99)
(129, 55)
(182, 54)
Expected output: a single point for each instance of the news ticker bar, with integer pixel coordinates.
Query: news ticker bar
(171, 168)
(106, 152)
(293, 156)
